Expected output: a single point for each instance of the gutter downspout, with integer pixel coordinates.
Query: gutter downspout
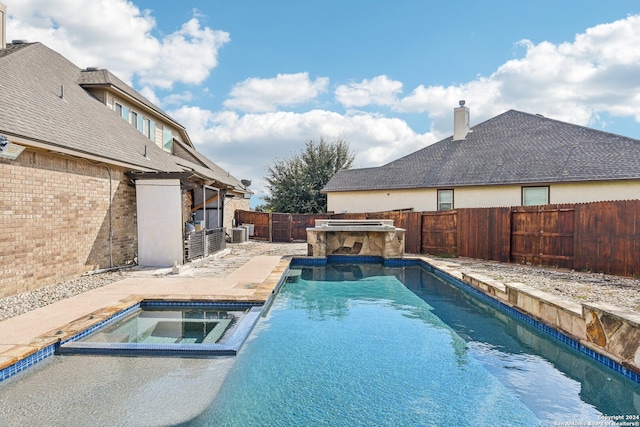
(110, 215)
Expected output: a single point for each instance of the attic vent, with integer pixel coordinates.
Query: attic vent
(92, 69)
(21, 41)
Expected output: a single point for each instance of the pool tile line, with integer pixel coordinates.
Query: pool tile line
(114, 318)
(27, 362)
(285, 267)
(552, 332)
(152, 303)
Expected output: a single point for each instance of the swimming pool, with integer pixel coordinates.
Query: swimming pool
(434, 354)
(374, 345)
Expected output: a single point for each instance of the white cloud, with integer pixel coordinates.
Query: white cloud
(599, 72)
(256, 95)
(580, 81)
(569, 81)
(181, 98)
(194, 48)
(150, 94)
(378, 91)
(92, 34)
(246, 144)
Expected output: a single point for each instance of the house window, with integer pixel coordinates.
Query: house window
(445, 200)
(146, 127)
(167, 139)
(134, 118)
(535, 196)
(118, 108)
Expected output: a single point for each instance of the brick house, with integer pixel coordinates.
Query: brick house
(513, 159)
(93, 175)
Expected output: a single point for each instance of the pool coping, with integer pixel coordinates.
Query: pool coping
(534, 307)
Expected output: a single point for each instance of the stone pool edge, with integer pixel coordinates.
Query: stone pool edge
(603, 329)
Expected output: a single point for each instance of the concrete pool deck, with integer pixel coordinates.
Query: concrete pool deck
(253, 280)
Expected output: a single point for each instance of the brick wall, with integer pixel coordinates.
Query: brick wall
(55, 220)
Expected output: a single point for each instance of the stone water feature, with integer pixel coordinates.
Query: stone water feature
(377, 237)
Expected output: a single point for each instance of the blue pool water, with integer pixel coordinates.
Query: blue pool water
(372, 345)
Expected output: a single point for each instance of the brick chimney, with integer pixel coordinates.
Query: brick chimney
(3, 26)
(460, 122)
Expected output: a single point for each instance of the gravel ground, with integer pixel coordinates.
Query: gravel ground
(571, 285)
(623, 292)
(240, 253)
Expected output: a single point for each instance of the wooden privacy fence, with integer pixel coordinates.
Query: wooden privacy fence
(601, 236)
(282, 227)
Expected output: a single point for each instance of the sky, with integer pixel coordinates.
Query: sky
(253, 81)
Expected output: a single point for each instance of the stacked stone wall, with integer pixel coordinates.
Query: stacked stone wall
(230, 208)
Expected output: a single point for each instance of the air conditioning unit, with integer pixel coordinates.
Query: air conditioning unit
(238, 235)
(250, 228)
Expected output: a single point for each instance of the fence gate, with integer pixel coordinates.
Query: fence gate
(543, 235)
(439, 233)
(281, 227)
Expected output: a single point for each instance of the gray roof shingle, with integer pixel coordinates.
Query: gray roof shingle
(104, 77)
(31, 107)
(511, 148)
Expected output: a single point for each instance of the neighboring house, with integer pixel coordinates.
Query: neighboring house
(93, 175)
(512, 159)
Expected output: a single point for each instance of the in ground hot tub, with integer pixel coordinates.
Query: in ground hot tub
(170, 328)
(367, 237)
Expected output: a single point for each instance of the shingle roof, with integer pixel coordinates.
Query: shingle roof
(104, 77)
(511, 148)
(207, 168)
(31, 107)
(13, 48)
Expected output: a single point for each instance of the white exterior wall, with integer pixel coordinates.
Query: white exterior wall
(160, 225)
(487, 197)
(380, 201)
(477, 197)
(160, 124)
(594, 192)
